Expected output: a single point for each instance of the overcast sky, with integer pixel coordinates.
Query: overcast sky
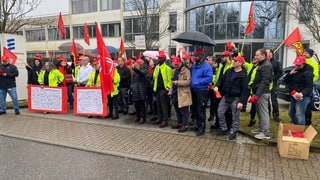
(51, 7)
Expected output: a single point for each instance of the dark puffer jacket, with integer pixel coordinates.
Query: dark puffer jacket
(138, 85)
(263, 78)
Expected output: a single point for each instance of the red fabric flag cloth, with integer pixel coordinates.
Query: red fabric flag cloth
(61, 26)
(86, 35)
(74, 51)
(12, 57)
(250, 23)
(122, 49)
(106, 65)
(294, 41)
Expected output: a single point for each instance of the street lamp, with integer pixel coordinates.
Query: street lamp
(171, 29)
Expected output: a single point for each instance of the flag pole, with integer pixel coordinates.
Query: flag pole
(244, 37)
(278, 47)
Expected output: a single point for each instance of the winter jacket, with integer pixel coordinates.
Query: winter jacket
(125, 76)
(166, 73)
(234, 84)
(33, 73)
(277, 70)
(301, 81)
(8, 81)
(139, 83)
(201, 76)
(315, 67)
(221, 70)
(263, 78)
(116, 82)
(55, 77)
(183, 87)
(90, 82)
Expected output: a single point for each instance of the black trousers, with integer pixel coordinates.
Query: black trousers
(199, 102)
(162, 104)
(140, 109)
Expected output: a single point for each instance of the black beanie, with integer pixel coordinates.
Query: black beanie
(310, 51)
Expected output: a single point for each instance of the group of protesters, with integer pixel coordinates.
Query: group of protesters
(148, 85)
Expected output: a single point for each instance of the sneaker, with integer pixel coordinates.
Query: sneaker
(183, 129)
(3, 112)
(163, 124)
(200, 132)
(232, 136)
(115, 117)
(142, 121)
(214, 127)
(252, 122)
(255, 131)
(262, 136)
(17, 112)
(221, 132)
(159, 121)
(192, 122)
(176, 126)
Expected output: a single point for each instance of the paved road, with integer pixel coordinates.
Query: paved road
(22, 159)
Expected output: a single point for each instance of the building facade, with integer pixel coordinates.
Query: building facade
(222, 20)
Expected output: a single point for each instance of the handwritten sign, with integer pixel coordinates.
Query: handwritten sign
(88, 101)
(47, 99)
(140, 41)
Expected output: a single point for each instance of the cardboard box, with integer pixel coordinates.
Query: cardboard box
(293, 147)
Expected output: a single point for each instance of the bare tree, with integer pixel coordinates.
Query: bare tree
(308, 13)
(13, 13)
(150, 11)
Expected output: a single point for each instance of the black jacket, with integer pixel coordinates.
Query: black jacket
(125, 76)
(138, 86)
(301, 81)
(263, 78)
(234, 84)
(8, 81)
(277, 70)
(33, 72)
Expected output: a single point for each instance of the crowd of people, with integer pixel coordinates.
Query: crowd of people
(145, 85)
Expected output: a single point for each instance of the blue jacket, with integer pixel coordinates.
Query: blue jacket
(201, 76)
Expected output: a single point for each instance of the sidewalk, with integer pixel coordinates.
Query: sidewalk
(243, 158)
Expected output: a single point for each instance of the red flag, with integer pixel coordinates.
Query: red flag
(294, 41)
(12, 57)
(61, 26)
(86, 35)
(74, 51)
(106, 65)
(122, 49)
(250, 23)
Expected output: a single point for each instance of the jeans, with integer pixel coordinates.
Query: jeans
(70, 95)
(123, 99)
(223, 107)
(297, 110)
(263, 114)
(14, 97)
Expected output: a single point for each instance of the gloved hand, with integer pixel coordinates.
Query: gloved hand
(253, 99)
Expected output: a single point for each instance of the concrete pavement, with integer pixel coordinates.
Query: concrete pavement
(243, 158)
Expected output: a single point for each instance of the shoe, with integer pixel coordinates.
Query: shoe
(125, 112)
(252, 122)
(211, 118)
(221, 132)
(183, 129)
(176, 126)
(255, 131)
(200, 132)
(232, 136)
(17, 112)
(115, 117)
(158, 121)
(120, 111)
(214, 127)
(163, 124)
(4, 112)
(142, 121)
(194, 128)
(150, 112)
(262, 136)
(89, 116)
(132, 113)
(154, 118)
(71, 107)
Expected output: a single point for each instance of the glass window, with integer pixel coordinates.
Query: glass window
(78, 31)
(109, 4)
(130, 5)
(221, 15)
(19, 32)
(304, 9)
(172, 22)
(209, 14)
(84, 6)
(35, 35)
(111, 30)
(220, 31)
(135, 26)
(54, 34)
(233, 12)
(233, 31)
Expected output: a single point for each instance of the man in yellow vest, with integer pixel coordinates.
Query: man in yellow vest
(162, 76)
